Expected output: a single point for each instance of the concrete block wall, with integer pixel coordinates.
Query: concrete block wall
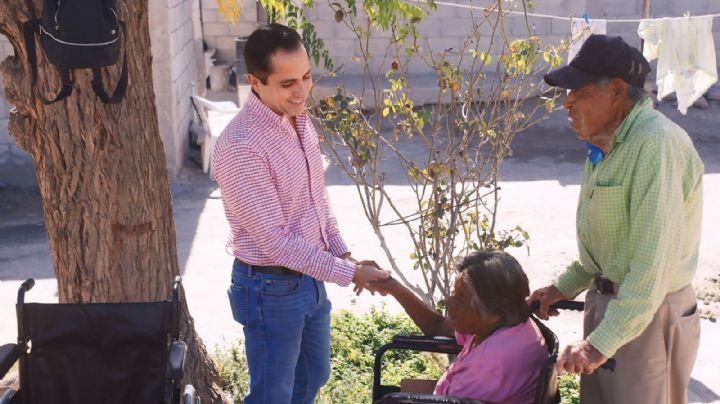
(220, 34)
(176, 47)
(445, 28)
(16, 166)
(448, 26)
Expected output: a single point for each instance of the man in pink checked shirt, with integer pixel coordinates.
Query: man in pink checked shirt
(283, 235)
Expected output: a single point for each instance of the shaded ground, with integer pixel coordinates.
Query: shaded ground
(540, 187)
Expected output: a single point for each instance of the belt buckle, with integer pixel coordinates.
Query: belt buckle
(604, 285)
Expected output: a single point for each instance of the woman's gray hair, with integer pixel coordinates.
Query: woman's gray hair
(475, 300)
(634, 93)
(498, 285)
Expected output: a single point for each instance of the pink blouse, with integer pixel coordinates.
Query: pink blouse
(504, 368)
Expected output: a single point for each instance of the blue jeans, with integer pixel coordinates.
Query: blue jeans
(286, 321)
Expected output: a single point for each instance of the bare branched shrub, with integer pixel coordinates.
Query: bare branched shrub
(488, 91)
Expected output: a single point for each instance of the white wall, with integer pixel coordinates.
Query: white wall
(175, 48)
(220, 34)
(448, 26)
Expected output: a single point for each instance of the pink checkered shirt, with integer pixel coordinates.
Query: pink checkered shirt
(273, 191)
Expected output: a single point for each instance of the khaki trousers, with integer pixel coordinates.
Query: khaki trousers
(655, 367)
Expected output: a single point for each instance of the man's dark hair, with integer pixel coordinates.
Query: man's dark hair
(499, 285)
(265, 41)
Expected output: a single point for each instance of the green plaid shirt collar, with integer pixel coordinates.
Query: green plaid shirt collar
(625, 127)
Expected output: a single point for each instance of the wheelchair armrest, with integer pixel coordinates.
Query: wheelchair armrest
(9, 354)
(439, 344)
(445, 345)
(415, 398)
(176, 360)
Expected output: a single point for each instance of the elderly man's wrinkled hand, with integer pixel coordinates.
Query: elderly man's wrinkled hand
(545, 296)
(579, 357)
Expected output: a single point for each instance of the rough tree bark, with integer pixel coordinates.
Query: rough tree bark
(103, 179)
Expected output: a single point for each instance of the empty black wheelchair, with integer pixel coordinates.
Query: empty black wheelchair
(546, 392)
(97, 353)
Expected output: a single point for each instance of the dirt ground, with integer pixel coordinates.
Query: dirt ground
(540, 185)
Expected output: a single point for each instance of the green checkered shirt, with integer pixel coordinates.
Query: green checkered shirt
(638, 223)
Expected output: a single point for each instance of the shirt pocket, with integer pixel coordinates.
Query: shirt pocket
(608, 218)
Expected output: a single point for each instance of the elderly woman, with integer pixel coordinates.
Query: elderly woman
(503, 350)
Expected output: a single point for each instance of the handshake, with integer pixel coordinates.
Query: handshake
(370, 276)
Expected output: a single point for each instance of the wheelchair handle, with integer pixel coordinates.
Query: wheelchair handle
(26, 286)
(609, 365)
(561, 305)
(175, 287)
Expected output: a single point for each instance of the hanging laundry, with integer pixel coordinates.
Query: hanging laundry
(685, 52)
(580, 30)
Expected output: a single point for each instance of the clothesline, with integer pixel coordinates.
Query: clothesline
(554, 17)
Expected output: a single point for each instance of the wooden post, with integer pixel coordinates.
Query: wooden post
(645, 14)
(645, 8)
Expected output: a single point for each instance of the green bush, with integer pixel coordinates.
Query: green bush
(233, 369)
(353, 343)
(569, 386)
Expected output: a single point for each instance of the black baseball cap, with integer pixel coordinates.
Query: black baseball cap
(601, 56)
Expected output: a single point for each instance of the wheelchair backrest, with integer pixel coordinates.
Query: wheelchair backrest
(99, 353)
(547, 391)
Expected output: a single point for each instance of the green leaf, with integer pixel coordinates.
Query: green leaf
(385, 111)
(486, 58)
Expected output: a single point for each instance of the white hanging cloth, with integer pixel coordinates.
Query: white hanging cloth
(685, 51)
(580, 30)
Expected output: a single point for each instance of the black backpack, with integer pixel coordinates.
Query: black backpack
(79, 34)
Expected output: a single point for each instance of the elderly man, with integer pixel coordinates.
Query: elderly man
(638, 232)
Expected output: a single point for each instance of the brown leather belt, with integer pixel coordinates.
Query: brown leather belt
(270, 270)
(604, 285)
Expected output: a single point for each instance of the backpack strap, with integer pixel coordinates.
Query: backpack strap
(121, 88)
(29, 29)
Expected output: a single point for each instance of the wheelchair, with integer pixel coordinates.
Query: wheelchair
(97, 353)
(547, 388)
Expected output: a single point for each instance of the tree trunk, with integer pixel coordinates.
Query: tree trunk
(103, 179)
